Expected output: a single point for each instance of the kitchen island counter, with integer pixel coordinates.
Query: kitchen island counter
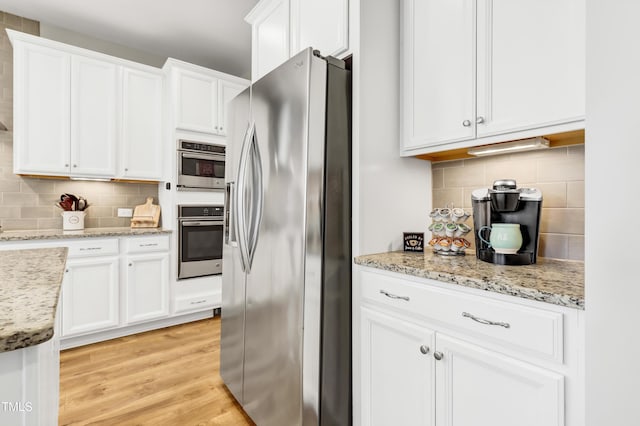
(560, 282)
(29, 291)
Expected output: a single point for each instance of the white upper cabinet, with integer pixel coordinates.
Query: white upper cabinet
(321, 24)
(93, 117)
(141, 139)
(197, 102)
(80, 113)
(226, 91)
(531, 70)
(41, 110)
(485, 71)
(439, 82)
(282, 28)
(269, 36)
(199, 96)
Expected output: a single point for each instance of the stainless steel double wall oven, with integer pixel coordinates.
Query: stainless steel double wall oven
(200, 239)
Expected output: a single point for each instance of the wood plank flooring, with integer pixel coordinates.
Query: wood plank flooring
(162, 377)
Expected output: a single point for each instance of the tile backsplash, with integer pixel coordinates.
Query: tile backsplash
(28, 203)
(557, 172)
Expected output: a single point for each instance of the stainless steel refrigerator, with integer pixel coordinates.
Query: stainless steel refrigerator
(286, 282)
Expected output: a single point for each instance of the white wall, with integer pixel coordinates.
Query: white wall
(393, 193)
(81, 40)
(612, 273)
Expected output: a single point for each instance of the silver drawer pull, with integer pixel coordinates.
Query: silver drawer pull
(198, 302)
(393, 296)
(485, 321)
(149, 245)
(90, 248)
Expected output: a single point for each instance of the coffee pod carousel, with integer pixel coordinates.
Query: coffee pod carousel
(448, 231)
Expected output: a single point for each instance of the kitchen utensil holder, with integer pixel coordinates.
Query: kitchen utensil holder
(73, 220)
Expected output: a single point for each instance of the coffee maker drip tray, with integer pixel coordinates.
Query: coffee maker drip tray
(488, 255)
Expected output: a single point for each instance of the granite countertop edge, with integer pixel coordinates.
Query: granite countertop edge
(33, 322)
(59, 234)
(484, 283)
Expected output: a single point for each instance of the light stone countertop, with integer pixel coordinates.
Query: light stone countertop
(29, 289)
(560, 282)
(59, 234)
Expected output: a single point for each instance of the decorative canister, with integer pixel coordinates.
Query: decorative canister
(72, 220)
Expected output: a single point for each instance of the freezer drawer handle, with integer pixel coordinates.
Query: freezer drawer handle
(486, 321)
(393, 296)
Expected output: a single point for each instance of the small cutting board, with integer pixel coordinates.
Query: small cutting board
(146, 215)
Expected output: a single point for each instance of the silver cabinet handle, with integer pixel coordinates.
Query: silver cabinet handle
(424, 349)
(130, 264)
(485, 321)
(438, 355)
(149, 245)
(393, 296)
(466, 123)
(479, 120)
(126, 170)
(66, 165)
(75, 165)
(221, 129)
(197, 302)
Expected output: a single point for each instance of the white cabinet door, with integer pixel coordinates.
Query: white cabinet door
(438, 103)
(90, 296)
(480, 387)
(397, 375)
(531, 64)
(269, 37)
(197, 102)
(41, 107)
(321, 24)
(141, 138)
(146, 287)
(226, 91)
(94, 94)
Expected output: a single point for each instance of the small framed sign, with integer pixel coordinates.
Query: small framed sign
(414, 241)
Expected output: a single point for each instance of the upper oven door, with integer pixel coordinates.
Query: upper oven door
(200, 170)
(200, 240)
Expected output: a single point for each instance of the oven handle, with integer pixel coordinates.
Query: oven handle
(214, 157)
(204, 223)
(240, 207)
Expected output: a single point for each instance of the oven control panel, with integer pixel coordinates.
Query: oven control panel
(200, 147)
(212, 211)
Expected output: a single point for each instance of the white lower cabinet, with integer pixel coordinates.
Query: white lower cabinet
(439, 357)
(146, 287)
(475, 386)
(398, 374)
(90, 295)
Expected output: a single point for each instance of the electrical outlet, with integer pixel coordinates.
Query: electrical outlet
(125, 212)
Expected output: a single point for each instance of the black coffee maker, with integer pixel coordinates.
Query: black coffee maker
(505, 203)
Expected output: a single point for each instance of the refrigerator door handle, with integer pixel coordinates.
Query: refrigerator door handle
(230, 232)
(240, 207)
(257, 193)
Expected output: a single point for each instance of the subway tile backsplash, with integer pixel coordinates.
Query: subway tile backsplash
(557, 172)
(28, 203)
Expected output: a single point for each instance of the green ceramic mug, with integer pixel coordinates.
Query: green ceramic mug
(505, 238)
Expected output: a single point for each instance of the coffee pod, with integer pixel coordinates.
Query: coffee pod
(459, 215)
(462, 230)
(450, 229)
(444, 214)
(431, 227)
(434, 243)
(435, 215)
(438, 229)
(466, 243)
(445, 244)
(457, 245)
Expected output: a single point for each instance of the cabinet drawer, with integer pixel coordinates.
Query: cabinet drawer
(530, 330)
(146, 244)
(92, 247)
(197, 302)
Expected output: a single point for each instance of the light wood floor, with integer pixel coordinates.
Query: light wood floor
(162, 377)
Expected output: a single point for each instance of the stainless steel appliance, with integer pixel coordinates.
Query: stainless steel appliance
(505, 203)
(286, 289)
(200, 166)
(200, 239)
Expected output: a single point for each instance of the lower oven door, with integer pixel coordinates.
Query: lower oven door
(200, 247)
